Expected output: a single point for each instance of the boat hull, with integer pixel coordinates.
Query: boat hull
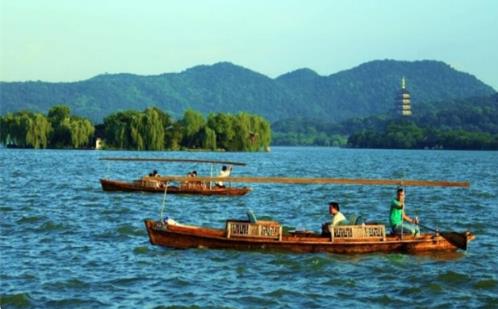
(114, 185)
(184, 237)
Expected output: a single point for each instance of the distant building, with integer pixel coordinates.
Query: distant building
(98, 143)
(403, 103)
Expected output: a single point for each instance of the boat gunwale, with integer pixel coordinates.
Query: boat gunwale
(124, 186)
(184, 230)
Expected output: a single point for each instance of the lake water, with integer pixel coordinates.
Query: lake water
(66, 243)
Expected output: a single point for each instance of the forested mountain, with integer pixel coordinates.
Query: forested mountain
(366, 90)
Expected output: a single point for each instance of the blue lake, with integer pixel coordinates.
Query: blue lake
(65, 243)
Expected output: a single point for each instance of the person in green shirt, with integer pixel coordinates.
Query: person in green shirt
(397, 216)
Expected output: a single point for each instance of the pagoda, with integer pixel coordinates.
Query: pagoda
(403, 105)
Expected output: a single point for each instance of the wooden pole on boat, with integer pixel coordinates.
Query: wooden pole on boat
(338, 181)
(174, 160)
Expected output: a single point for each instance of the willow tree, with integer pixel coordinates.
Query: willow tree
(174, 136)
(116, 129)
(137, 130)
(25, 129)
(14, 128)
(222, 125)
(81, 131)
(38, 131)
(208, 138)
(192, 123)
(242, 127)
(60, 119)
(263, 129)
(153, 127)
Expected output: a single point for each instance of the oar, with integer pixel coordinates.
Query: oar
(458, 240)
(343, 181)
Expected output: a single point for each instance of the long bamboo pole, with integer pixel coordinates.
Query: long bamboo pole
(175, 160)
(339, 181)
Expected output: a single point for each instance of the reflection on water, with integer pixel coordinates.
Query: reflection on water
(66, 243)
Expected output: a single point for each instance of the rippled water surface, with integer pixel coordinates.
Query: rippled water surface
(66, 243)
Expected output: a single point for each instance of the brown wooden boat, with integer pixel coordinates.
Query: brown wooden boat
(268, 235)
(146, 185)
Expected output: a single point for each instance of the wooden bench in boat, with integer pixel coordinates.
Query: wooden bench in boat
(149, 183)
(260, 229)
(273, 230)
(350, 232)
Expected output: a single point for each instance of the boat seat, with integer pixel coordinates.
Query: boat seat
(251, 216)
(353, 220)
(260, 229)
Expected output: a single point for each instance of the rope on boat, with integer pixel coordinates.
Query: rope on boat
(164, 201)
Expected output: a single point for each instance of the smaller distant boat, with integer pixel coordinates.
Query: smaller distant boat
(154, 183)
(145, 185)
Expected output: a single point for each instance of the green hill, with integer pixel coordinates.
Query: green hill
(366, 90)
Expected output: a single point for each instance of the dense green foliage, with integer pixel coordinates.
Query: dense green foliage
(438, 124)
(25, 129)
(409, 135)
(366, 90)
(303, 131)
(137, 130)
(69, 131)
(34, 130)
(153, 129)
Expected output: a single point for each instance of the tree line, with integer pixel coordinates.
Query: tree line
(57, 129)
(470, 123)
(151, 129)
(409, 135)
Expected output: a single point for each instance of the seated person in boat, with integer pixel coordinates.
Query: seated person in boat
(337, 219)
(152, 183)
(337, 216)
(397, 216)
(194, 183)
(189, 183)
(154, 174)
(225, 172)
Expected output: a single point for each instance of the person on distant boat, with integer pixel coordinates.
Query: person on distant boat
(153, 183)
(225, 172)
(397, 216)
(191, 174)
(194, 183)
(337, 216)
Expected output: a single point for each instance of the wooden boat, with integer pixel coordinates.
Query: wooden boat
(148, 185)
(268, 235)
(188, 185)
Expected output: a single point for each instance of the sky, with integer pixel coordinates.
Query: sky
(59, 40)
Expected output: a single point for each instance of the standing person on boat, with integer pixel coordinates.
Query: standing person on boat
(337, 216)
(225, 172)
(397, 216)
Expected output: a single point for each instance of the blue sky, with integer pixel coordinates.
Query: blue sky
(60, 40)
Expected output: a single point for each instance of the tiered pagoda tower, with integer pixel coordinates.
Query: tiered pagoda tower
(403, 104)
